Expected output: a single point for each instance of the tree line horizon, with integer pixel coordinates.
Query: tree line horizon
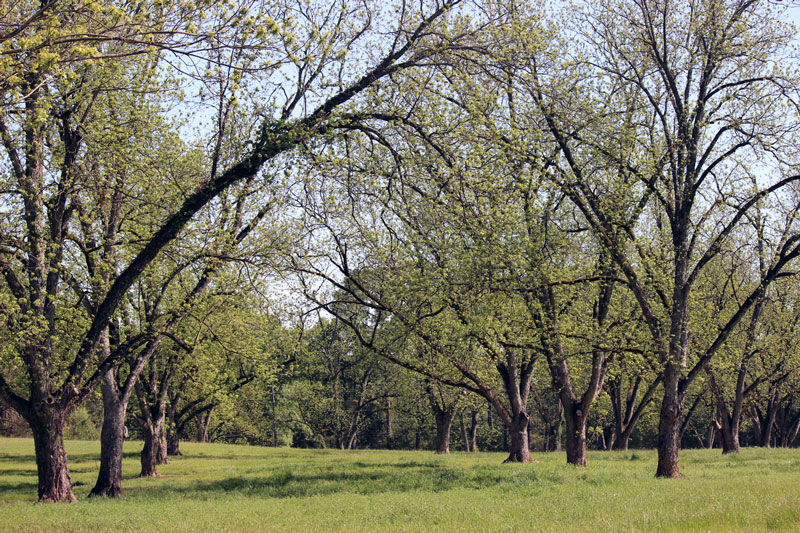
(366, 214)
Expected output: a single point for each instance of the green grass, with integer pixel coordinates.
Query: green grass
(219, 487)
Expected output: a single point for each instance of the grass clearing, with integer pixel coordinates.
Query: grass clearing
(216, 487)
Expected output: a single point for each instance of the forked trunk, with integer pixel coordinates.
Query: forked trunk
(154, 452)
(519, 452)
(444, 421)
(621, 440)
(203, 421)
(112, 436)
(711, 435)
(575, 436)
(729, 431)
(669, 427)
(55, 484)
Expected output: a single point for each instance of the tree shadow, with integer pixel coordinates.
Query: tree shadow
(360, 478)
(17, 472)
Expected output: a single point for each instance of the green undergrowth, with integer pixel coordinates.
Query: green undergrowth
(216, 487)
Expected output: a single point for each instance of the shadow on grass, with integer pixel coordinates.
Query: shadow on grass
(8, 458)
(363, 478)
(7, 490)
(18, 471)
(94, 457)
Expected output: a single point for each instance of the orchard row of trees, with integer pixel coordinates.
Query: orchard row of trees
(523, 207)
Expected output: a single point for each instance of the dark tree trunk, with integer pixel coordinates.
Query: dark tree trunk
(444, 421)
(611, 439)
(557, 429)
(175, 430)
(154, 452)
(576, 407)
(769, 423)
(173, 443)
(669, 426)
(550, 413)
(729, 431)
(621, 440)
(627, 414)
(731, 418)
(575, 435)
(47, 426)
(794, 431)
(388, 422)
(112, 436)
(464, 433)
(473, 432)
(712, 434)
(519, 452)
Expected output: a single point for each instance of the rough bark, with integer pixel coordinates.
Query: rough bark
(575, 434)
(444, 421)
(576, 408)
(112, 436)
(620, 441)
(154, 452)
(173, 443)
(47, 426)
(669, 426)
(519, 451)
(729, 432)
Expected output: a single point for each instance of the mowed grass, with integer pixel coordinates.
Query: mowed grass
(217, 487)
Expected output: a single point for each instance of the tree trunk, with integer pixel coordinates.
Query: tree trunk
(769, 424)
(444, 420)
(519, 452)
(464, 433)
(55, 484)
(173, 443)
(612, 439)
(791, 436)
(575, 436)
(729, 431)
(669, 426)
(174, 431)
(712, 434)
(203, 422)
(388, 422)
(620, 440)
(154, 452)
(473, 432)
(112, 436)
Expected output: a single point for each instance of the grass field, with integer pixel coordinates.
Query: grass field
(220, 487)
